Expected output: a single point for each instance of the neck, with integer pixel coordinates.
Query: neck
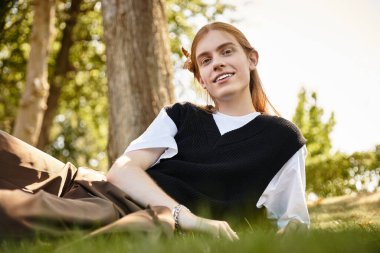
(236, 107)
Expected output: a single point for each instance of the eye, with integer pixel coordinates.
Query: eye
(227, 51)
(205, 61)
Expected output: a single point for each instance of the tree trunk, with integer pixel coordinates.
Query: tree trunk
(139, 70)
(33, 102)
(62, 67)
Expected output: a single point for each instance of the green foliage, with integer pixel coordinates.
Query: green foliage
(308, 118)
(82, 111)
(82, 119)
(14, 51)
(331, 174)
(364, 170)
(5, 7)
(321, 178)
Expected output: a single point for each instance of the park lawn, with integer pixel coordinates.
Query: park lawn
(340, 224)
(359, 211)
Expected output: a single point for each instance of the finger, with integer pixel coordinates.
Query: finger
(225, 233)
(234, 236)
(231, 232)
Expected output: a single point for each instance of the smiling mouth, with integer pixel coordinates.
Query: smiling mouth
(223, 76)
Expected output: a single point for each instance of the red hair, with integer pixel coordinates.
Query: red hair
(259, 99)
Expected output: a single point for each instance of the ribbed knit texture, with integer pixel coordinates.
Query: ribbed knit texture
(227, 173)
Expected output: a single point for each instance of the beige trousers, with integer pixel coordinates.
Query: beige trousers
(39, 193)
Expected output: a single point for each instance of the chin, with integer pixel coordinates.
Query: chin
(227, 96)
(229, 90)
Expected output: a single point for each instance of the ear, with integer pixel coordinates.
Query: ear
(253, 58)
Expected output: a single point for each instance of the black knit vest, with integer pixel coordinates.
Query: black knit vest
(226, 173)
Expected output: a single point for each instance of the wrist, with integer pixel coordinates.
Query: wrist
(177, 213)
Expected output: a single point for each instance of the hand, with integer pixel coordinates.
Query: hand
(293, 226)
(219, 229)
(90, 175)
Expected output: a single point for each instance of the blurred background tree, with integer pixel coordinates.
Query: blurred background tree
(32, 105)
(329, 173)
(139, 68)
(14, 50)
(5, 7)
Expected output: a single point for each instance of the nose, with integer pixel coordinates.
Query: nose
(218, 63)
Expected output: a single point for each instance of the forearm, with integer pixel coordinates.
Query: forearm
(138, 185)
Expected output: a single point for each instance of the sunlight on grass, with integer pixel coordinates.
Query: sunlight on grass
(339, 213)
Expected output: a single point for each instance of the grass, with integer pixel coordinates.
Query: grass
(343, 224)
(361, 211)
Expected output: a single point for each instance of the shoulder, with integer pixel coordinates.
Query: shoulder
(179, 107)
(283, 127)
(179, 111)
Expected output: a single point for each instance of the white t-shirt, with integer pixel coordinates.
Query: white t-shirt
(284, 197)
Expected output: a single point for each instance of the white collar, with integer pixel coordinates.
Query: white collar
(237, 117)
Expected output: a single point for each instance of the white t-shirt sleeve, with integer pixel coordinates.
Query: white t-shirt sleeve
(284, 197)
(159, 134)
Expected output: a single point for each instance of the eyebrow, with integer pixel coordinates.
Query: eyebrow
(217, 49)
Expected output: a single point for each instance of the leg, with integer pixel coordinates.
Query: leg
(25, 167)
(22, 213)
(86, 206)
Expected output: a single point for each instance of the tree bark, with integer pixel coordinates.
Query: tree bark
(139, 70)
(62, 67)
(33, 102)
